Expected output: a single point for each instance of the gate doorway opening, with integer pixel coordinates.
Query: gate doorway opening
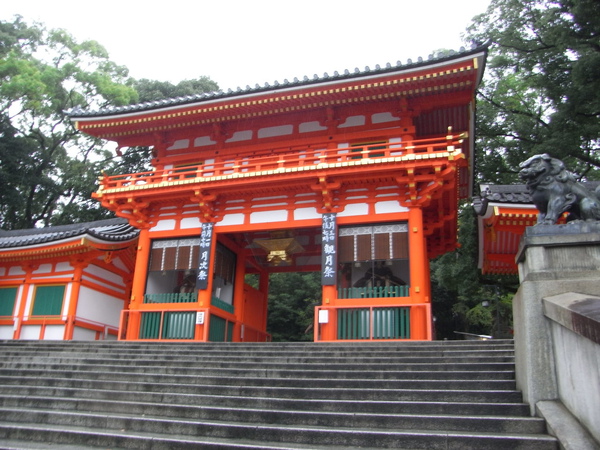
(282, 280)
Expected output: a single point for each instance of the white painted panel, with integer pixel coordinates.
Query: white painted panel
(356, 209)
(6, 331)
(306, 213)
(44, 268)
(66, 301)
(269, 216)
(31, 332)
(54, 333)
(202, 141)
(181, 143)
(98, 307)
(391, 206)
(281, 130)
(16, 270)
(307, 127)
(232, 219)
(353, 121)
(240, 136)
(104, 274)
(163, 225)
(190, 222)
(63, 267)
(83, 334)
(119, 264)
(383, 118)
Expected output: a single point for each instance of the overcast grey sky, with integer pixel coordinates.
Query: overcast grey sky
(239, 43)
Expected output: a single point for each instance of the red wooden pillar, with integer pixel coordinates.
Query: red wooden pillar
(419, 275)
(79, 266)
(138, 286)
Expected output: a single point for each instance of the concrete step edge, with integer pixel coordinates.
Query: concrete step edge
(313, 430)
(240, 415)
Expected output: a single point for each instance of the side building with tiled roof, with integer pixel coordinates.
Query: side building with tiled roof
(67, 282)
(504, 211)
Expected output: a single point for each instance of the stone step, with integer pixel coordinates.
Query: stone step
(156, 382)
(446, 395)
(504, 372)
(471, 355)
(251, 413)
(120, 430)
(311, 347)
(391, 406)
(332, 393)
(241, 366)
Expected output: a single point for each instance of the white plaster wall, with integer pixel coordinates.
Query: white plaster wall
(66, 300)
(99, 307)
(240, 136)
(6, 331)
(64, 267)
(83, 334)
(203, 140)
(44, 268)
(306, 213)
(54, 333)
(31, 332)
(356, 209)
(165, 225)
(353, 121)
(391, 206)
(190, 222)
(280, 130)
(119, 264)
(104, 274)
(269, 216)
(181, 143)
(232, 219)
(383, 117)
(307, 127)
(577, 361)
(16, 270)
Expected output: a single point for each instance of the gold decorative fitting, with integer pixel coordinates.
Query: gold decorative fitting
(279, 249)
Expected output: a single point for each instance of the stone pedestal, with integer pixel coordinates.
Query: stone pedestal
(552, 259)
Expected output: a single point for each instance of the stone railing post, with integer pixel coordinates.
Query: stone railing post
(552, 259)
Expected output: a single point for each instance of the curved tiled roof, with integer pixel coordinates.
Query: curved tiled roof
(510, 193)
(306, 81)
(516, 194)
(110, 230)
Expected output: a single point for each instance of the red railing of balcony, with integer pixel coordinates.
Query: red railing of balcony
(296, 161)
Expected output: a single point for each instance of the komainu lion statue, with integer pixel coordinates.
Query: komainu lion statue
(554, 191)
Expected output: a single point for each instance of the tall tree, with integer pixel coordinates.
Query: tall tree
(48, 169)
(541, 92)
(44, 73)
(292, 298)
(153, 90)
(462, 298)
(137, 159)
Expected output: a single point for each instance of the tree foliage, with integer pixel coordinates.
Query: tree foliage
(292, 298)
(48, 169)
(541, 92)
(463, 299)
(153, 90)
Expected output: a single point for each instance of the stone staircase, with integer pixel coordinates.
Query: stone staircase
(408, 395)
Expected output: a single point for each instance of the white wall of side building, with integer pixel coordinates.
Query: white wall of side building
(98, 307)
